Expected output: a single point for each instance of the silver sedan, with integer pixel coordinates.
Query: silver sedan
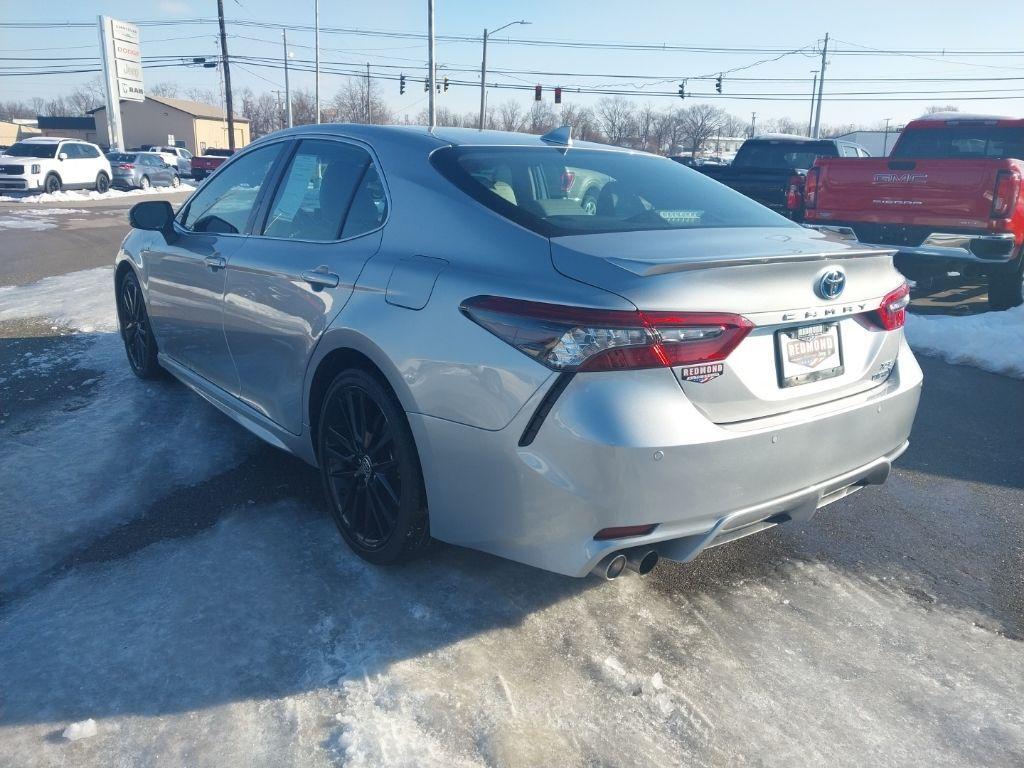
(141, 170)
(468, 352)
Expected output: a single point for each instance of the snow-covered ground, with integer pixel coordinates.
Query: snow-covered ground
(992, 341)
(71, 195)
(259, 640)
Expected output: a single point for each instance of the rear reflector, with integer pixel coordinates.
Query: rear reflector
(794, 193)
(811, 188)
(892, 313)
(581, 339)
(624, 531)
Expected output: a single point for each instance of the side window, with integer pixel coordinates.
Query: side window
(71, 150)
(89, 151)
(226, 200)
(848, 150)
(369, 206)
(319, 191)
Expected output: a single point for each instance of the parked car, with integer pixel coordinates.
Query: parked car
(771, 169)
(468, 357)
(205, 164)
(179, 157)
(50, 164)
(948, 197)
(141, 170)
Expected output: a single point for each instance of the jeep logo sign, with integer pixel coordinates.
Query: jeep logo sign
(904, 177)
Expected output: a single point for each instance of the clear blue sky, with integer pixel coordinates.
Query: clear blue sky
(735, 23)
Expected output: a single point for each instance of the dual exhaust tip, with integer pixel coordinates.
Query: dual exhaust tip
(639, 560)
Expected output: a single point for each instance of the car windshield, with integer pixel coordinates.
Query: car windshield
(556, 191)
(120, 157)
(782, 155)
(953, 141)
(24, 149)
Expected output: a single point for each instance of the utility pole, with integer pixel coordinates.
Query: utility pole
(753, 123)
(287, 88)
(885, 141)
(316, 55)
(227, 75)
(483, 70)
(368, 121)
(821, 87)
(431, 114)
(814, 89)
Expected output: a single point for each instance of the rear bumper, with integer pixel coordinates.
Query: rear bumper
(614, 453)
(958, 246)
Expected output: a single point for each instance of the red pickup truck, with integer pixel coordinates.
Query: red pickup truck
(205, 164)
(948, 198)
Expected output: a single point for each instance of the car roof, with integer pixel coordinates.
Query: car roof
(45, 140)
(433, 138)
(787, 137)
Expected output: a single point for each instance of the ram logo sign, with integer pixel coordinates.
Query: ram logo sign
(904, 177)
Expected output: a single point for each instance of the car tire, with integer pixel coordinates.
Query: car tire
(371, 470)
(1006, 285)
(52, 183)
(589, 203)
(144, 182)
(175, 181)
(102, 183)
(136, 330)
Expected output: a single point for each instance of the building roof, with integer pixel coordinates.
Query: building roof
(194, 108)
(67, 123)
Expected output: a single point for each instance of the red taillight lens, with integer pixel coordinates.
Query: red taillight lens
(811, 188)
(568, 177)
(892, 313)
(580, 339)
(794, 193)
(1005, 197)
(126, 166)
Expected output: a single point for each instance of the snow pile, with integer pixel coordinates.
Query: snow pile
(82, 730)
(82, 300)
(37, 225)
(91, 194)
(992, 341)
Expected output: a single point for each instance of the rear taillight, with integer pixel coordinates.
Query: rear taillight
(580, 339)
(794, 193)
(125, 166)
(568, 177)
(892, 313)
(1005, 196)
(811, 188)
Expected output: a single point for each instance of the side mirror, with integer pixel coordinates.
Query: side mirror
(62, 156)
(153, 215)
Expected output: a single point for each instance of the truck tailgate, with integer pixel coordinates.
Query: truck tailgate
(947, 192)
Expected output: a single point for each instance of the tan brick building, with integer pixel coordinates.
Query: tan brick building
(195, 126)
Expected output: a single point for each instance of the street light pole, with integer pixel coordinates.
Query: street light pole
(431, 114)
(287, 89)
(821, 88)
(316, 55)
(885, 141)
(483, 71)
(814, 89)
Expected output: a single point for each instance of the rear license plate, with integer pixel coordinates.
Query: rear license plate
(808, 353)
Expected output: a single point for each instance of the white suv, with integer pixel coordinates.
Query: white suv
(50, 164)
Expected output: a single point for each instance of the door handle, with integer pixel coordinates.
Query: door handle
(215, 262)
(320, 278)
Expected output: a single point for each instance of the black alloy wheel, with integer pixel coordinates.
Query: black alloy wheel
(371, 471)
(52, 183)
(139, 343)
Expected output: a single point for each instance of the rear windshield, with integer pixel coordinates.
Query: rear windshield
(556, 191)
(782, 155)
(120, 157)
(219, 152)
(953, 141)
(32, 150)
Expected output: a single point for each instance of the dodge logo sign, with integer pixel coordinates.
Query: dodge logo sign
(831, 283)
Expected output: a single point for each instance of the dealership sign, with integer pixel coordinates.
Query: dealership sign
(122, 72)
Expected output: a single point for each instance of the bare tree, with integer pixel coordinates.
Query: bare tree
(203, 96)
(646, 119)
(166, 88)
(12, 110)
(303, 107)
(616, 118)
(581, 120)
(510, 116)
(350, 103)
(540, 118)
(264, 113)
(699, 123)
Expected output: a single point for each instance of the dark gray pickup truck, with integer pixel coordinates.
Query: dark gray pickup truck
(771, 169)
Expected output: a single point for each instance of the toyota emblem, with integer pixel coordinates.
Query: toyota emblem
(831, 283)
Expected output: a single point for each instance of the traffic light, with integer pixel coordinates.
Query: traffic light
(558, 95)
(536, 92)
(401, 84)
(682, 90)
(446, 83)
(426, 85)
(718, 84)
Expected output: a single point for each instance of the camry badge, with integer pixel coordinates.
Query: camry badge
(831, 283)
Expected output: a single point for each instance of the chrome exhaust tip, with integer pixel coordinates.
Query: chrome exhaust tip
(642, 561)
(610, 567)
